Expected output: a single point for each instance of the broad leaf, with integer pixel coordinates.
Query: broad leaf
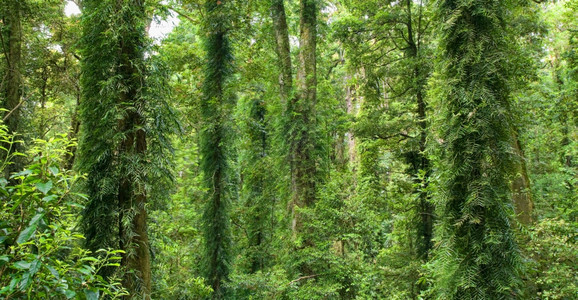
(26, 234)
(44, 187)
(91, 295)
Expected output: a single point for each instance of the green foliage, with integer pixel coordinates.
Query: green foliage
(40, 253)
(553, 249)
(257, 210)
(269, 284)
(176, 235)
(549, 119)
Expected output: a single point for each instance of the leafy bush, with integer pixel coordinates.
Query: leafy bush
(553, 249)
(40, 252)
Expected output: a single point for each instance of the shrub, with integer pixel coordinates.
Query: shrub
(40, 251)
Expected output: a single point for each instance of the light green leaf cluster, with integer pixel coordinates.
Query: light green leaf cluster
(40, 253)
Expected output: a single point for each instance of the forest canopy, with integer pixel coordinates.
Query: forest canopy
(271, 149)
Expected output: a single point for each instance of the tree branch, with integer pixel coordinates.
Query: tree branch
(13, 110)
(302, 278)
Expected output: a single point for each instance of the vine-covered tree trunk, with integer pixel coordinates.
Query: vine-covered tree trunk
(213, 147)
(255, 188)
(113, 145)
(478, 257)
(132, 196)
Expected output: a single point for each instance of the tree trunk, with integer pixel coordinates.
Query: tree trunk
(475, 166)
(421, 163)
(133, 239)
(351, 111)
(132, 197)
(522, 196)
(255, 186)
(302, 114)
(13, 87)
(73, 134)
(283, 49)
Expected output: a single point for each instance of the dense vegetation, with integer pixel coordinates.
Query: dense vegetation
(270, 149)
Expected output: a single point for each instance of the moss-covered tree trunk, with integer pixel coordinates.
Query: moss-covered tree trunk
(301, 112)
(12, 82)
(522, 196)
(283, 49)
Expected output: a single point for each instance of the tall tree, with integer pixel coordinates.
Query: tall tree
(215, 111)
(301, 111)
(113, 151)
(12, 82)
(478, 256)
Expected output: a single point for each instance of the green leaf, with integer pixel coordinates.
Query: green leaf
(91, 295)
(3, 260)
(34, 267)
(86, 270)
(44, 187)
(22, 265)
(26, 234)
(53, 170)
(35, 219)
(50, 198)
(23, 173)
(53, 272)
(69, 294)
(89, 258)
(3, 182)
(25, 282)
(13, 284)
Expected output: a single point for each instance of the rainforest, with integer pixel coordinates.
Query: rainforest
(289, 149)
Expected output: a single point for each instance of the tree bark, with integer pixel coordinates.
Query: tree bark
(523, 204)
